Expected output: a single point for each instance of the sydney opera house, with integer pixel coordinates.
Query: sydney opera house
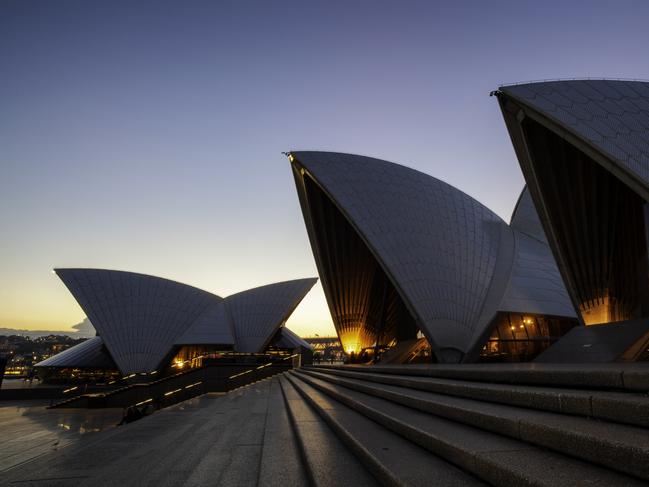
(415, 270)
(146, 324)
(405, 258)
(411, 263)
(583, 146)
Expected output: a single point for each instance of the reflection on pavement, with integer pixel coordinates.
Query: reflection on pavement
(29, 429)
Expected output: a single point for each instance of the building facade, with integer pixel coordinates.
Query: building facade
(144, 322)
(404, 256)
(583, 146)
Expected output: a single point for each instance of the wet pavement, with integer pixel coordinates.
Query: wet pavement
(30, 430)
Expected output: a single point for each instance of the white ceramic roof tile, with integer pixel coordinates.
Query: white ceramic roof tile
(210, 328)
(258, 313)
(138, 317)
(286, 338)
(535, 284)
(613, 116)
(87, 354)
(525, 219)
(437, 243)
(440, 246)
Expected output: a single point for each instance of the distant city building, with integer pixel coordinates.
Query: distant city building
(3, 364)
(146, 323)
(406, 259)
(583, 146)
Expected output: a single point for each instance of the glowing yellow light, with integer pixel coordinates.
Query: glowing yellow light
(512, 328)
(291, 158)
(241, 373)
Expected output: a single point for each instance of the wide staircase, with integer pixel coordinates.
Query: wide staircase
(509, 425)
(471, 425)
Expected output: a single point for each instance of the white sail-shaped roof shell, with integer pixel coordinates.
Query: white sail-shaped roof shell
(258, 313)
(141, 319)
(583, 146)
(454, 262)
(212, 327)
(89, 354)
(535, 285)
(612, 116)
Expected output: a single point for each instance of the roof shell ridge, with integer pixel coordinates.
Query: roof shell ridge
(586, 78)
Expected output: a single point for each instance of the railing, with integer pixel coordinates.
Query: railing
(212, 377)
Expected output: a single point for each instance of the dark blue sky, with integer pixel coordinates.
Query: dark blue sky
(147, 136)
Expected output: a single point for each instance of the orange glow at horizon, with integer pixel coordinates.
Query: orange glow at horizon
(50, 307)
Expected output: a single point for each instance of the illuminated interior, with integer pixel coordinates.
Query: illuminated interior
(367, 310)
(599, 227)
(193, 356)
(516, 337)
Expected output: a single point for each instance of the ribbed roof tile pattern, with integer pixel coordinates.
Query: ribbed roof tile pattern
(210, 328)
(87, 354)
(535, 284)
(525, 218)
(437, 243)
(440, 247)
(285, 338)
(139, 317)
(258, 313)
(612, 115)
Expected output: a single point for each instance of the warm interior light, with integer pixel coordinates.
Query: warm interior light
(601, 310)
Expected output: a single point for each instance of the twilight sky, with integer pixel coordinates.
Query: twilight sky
(147, 135)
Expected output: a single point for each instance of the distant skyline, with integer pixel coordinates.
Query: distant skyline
(147, 135)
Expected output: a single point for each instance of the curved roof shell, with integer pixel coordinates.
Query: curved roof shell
(90, 354)
(611, 117)
(535, 284)
(285, 338)
(141, 318)
(258, 313)
(212, 327)
(449, 257)
(583, 146)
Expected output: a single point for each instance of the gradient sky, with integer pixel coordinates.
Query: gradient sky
(147, 136)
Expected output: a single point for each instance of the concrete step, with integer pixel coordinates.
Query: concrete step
(616, 446)
(393, 460)
(494, 458)
(622, 407)
(326, 459)
(615, 376)
(281, 460)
